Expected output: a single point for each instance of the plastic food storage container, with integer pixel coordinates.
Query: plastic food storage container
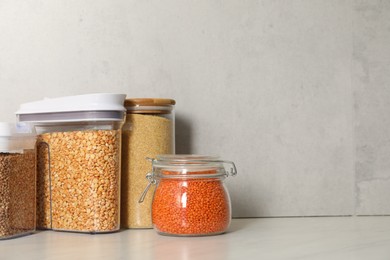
(17, 182)
(190, 198)
(79, 154)
(149, 130)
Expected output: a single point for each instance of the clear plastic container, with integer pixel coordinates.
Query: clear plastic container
(79, 155)
(191, 198)
(17, 181)
(149, 130)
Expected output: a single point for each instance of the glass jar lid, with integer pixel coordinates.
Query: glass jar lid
(187, 166)
(191, 166)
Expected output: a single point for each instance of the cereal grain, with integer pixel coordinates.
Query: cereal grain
(17, 193)
(143, 136)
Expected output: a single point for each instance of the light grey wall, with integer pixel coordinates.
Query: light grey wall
(295, 92)
(371, 80)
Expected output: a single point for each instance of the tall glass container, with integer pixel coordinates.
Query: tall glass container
(149, 130)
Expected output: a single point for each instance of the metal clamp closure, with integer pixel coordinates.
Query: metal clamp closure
(151, 180)
(150, 176)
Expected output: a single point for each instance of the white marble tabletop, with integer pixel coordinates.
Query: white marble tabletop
(256, 238)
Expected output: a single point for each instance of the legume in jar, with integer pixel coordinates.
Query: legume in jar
(78, 180)
(191, 198)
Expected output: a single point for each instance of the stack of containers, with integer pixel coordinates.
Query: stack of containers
(68, 178)
(17, 181)
(78, 161)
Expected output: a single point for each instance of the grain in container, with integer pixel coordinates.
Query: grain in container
(149, 130)
(17, 181)
(191, 198)
(79, 154)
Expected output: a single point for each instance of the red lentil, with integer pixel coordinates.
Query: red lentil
(191, 206)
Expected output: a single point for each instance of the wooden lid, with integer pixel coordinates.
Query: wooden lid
(149, 105)
(149, 102)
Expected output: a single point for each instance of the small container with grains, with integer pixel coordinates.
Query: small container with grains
(78, 161)
(190, 198)
(149, 130)
(17, 181)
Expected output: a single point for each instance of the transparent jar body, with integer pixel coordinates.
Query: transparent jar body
(78, 180)
(190, 198)
(149, 130)
(17, 193)
(191, 207)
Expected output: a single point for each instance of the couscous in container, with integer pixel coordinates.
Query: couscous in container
(149, 130)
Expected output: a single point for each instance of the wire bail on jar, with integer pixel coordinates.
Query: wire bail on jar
(152, 180)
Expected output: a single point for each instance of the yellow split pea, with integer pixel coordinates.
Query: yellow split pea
(79, 173)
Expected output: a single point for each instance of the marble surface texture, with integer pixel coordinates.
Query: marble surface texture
(295, 92)
(318, 238)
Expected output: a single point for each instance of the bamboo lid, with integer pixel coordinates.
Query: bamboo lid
(149, 102)
(149, 105)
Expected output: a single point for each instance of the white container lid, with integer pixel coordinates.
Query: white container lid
(15, 138)
(90, 107)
